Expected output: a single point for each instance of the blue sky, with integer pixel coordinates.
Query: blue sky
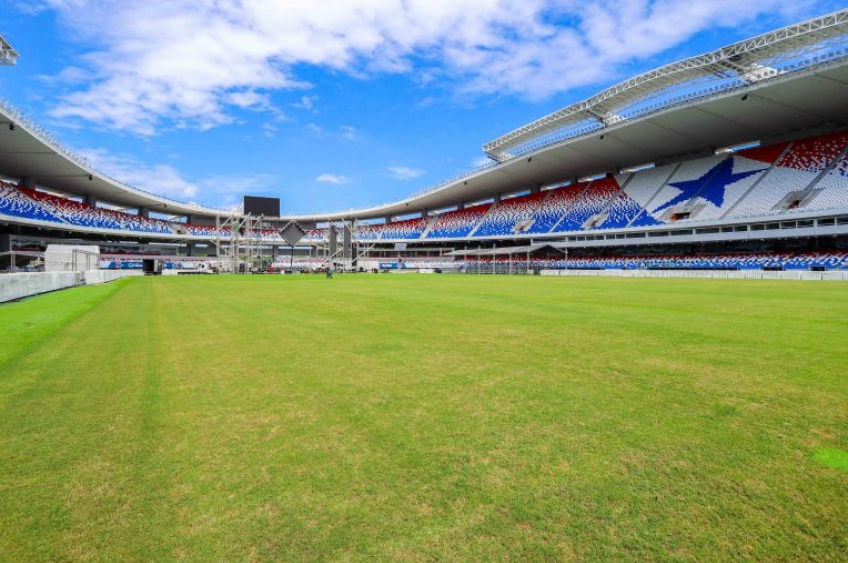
(337, 104)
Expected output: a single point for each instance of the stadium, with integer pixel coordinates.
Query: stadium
(563, 410)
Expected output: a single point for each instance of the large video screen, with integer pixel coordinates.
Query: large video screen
(267, 206)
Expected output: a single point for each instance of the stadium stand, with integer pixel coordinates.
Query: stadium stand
(315, 235)
(834, 260)
(638, 195)
(207, 231)
(554, 206)
(15, 203)
(832, 190)
(807, 174)
(33, 204)
(368, 232)
(459, 223)
(508, 215)
(794, 172)
(407, 229)
(598, 194)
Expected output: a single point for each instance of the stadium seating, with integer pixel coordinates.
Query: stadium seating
(833, 188)
(368, 232)
(553, 207)
(15, 203)
(793, 172)
(408, 229)
(315, 235)
(746, 168)
(640, 190)
(207, 231)
(775, 180)
(592, 201)
(459, 223)
(32, 204)
(508, 215)
(834, 260)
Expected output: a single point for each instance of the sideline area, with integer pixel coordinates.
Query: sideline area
(26, 284)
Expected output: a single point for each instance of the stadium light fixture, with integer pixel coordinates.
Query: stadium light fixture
(8, 55)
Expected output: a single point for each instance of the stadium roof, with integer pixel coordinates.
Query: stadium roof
(801, 89)
(27, 151)
(747, 61)
(8, 55)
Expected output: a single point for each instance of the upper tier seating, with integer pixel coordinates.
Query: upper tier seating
(209, 231)
(32, 204)
(85, 215)
(641, 190)
(793, 172)
(508, 215)
(554, 206)
(808, 174)
(15, 203)
(729, 184)
(315, 235)
(368, 232)
(596, 197)
(458, 223)
(684, 184)
(409, 229)
(833, 188)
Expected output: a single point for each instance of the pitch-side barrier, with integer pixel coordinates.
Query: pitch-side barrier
(704, 274)
(26, 284)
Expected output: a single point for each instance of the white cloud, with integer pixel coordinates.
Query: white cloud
(164, 180)
(306, 102)
(332, 179)
(159, 179)
(192, 61)
(404, 172)
(480, 161)
(349, 133)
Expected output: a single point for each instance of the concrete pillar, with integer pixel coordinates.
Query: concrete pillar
(334, 240)
(90, 200)
(27, 182)
(144, 212)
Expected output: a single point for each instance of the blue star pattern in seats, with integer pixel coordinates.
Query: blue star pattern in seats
(709, 187)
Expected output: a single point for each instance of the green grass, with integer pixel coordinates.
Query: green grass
(421, 418)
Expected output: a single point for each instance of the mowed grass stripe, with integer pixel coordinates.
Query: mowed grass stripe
(277, 418)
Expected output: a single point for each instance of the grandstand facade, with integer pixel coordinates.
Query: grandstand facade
(736, 159)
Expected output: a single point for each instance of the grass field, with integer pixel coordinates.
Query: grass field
(425, 418)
